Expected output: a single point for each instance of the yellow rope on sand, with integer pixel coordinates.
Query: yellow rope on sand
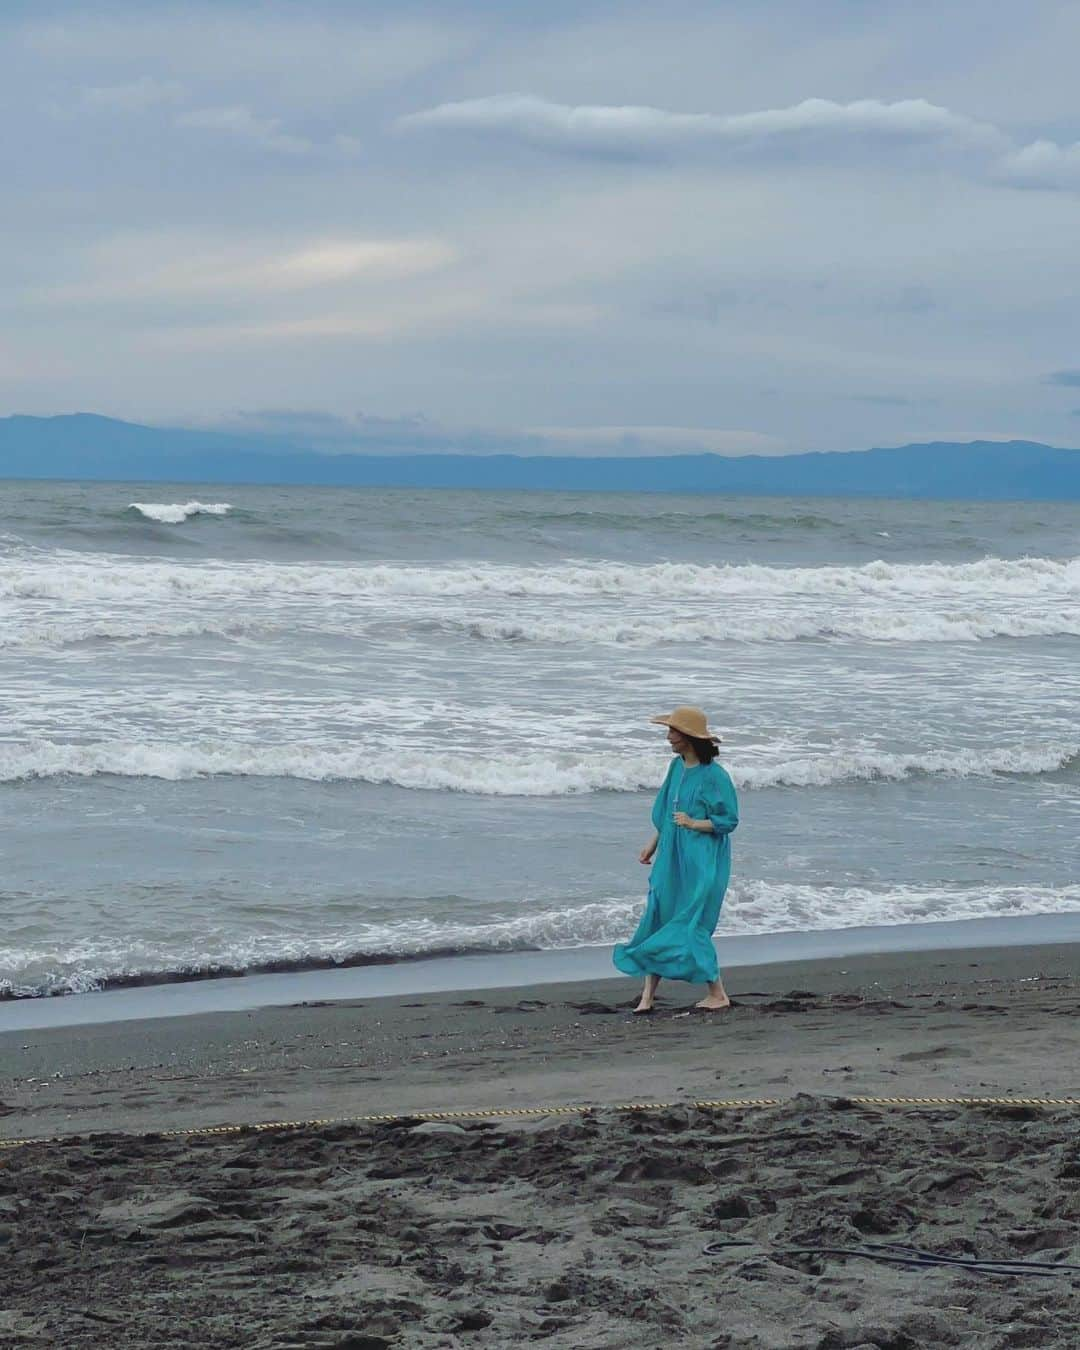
(511, 1112)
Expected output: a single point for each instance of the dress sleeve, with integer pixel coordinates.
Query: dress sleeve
(720, 803)
(660, 812)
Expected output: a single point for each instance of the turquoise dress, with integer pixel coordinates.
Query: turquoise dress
(689, 876)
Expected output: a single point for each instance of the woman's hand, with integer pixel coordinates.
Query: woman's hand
(646, 854)
(689, 823)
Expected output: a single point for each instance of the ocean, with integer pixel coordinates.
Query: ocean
(262, 729)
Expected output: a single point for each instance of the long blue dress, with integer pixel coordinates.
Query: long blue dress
(689, 876)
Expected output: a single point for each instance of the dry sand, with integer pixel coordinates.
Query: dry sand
(565, 1231)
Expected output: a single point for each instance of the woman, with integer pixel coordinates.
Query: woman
(694, 813)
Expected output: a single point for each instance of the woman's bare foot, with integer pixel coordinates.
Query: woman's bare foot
(648, 994)
(716, 999)
(643, 1008)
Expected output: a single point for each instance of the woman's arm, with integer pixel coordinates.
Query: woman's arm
(646, 854)
(720, 805)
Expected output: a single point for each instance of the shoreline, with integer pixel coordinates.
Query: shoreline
(709, 1229)
(964, 1021)
(196, 993)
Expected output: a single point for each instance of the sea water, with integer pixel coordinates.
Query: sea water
(262, 728)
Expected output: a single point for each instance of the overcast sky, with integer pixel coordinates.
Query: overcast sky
(770, 226)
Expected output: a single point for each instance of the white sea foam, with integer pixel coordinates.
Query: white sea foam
(173, 513)
(847, 766)
(769, 907)
(100, 578)
(752, 907)
(894, 625)
(886, 625)
(65, 633)
(524, 775)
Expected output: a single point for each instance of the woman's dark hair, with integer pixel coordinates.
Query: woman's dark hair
(705, 750)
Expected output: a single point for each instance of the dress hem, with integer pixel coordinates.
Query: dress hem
(629, 965)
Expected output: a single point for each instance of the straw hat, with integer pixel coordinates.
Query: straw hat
(690, 721)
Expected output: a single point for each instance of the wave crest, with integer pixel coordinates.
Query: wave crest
(525, 775)
(105, 577)
(66, 634)
(174, 513)
(877, 626)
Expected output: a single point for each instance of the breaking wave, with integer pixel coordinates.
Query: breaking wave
(173, 513)
(551, 774)
(882, 626)
(85, 577)
(752, 907)
(67, 634)
(878, 626)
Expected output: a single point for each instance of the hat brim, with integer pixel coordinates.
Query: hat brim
(667, 722)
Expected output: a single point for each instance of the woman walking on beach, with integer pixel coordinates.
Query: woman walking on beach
(694, 814)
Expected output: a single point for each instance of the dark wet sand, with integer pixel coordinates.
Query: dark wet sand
(581, 1231)
(982, 1022)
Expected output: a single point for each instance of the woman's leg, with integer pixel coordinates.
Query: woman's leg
(648, 993)
(716, 998)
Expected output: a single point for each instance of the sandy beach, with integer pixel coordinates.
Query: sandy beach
(579, 1229)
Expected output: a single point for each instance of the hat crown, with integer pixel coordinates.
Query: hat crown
(693, 720)
(690, 721)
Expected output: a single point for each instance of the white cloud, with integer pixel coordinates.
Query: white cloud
(405, 315)
(217, 336)
(1043, 164)
(342, 261)
(239, 121)
(816, 122)
(181, 268)
(641, 130)
(135, 95)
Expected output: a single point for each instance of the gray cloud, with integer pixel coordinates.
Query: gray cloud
(1069, 378)
(418, 434)
(644, 130)
(176, 268)
(1043, 164)
(707, 306)
(882, 400)
(134, 95)
(207, 202)
(315, 53)
(813, 125)
(910, 300)
(332, 433)
(239, 121)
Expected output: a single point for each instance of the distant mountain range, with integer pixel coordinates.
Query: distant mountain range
(85, 446)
